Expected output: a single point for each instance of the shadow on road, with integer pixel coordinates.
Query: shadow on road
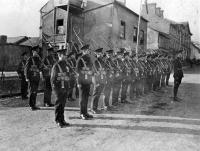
(142, 128)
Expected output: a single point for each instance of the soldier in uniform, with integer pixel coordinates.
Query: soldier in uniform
(100, 78)
(60, 81)
(73, 82)
(118, 77)
(149, 73)
(127, 77)
(20, 71)
(110, 69)
(178, 75)
(86, 72)
(49, 61)
(32, 74)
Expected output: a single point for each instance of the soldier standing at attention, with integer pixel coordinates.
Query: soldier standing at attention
(71, 60)
(127, 77)
(110, 77)
(178, 75)
(32, 74)
(118, 77)
(100, 78)
(60, 81)
(85, 71)
(20, 71)
(49, 61)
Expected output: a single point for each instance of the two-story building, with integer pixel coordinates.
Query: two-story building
(178, 34)
(101, 23)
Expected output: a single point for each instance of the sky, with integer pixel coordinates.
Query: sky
(22, 17)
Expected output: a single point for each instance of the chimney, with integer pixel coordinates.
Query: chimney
(152, 8)
(158, 11)
(162, 13)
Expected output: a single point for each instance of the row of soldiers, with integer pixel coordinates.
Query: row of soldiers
(109, 73)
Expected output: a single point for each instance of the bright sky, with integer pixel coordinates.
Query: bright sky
(22, 17)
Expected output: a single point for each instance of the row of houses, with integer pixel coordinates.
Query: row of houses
(101, 23)
(110, 24)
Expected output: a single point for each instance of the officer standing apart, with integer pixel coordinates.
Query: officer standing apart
(20, 71)
(178, 75)
(60, 81)
(49, 61)
(85, 71)
(32, 74)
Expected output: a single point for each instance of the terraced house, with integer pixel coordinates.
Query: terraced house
(101, 23)
(171, 36)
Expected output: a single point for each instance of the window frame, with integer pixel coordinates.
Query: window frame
(122, 30)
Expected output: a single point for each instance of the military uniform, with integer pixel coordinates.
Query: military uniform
(110, 73)
(178, 75)
(32, 74)
(60, 81)
(127, 77)
(86, 72)
(119, 74)
(149, 73)
(73, 82)
(100, 78)
(48, 62)
(135, 78)
(24, 83)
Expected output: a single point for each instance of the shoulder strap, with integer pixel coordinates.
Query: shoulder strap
(48, 62)
(33, 61)
(59, 67)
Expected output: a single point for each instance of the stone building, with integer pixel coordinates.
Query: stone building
(179, 33)
(101, 23)
(195, 51)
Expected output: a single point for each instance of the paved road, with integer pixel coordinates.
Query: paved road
(151, 122)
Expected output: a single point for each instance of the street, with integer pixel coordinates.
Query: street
(150, 123)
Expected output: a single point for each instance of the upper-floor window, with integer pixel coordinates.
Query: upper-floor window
(135, 34)
(60, 26)
(141, 37)
(123, 30)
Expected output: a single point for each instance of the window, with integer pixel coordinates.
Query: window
(141, 37)
(135, 34)
(123, 30)
(60, 26)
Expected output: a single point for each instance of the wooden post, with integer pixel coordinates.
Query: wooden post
(138, 32)
(55, 24)
(67, 16)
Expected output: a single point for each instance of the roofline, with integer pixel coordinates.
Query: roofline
(160, 32)
(195, 46)
(118, 3)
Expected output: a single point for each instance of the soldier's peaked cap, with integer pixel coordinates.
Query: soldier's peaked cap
(61, 51)
(85, 47)
(99, 50)
(35, 48)
(24, 53)
(126, 54)
(50, 49)
(120, 52)
(109, 51)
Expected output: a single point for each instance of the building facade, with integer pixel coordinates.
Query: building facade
(178, 33)
(195, 52)
(101, 23)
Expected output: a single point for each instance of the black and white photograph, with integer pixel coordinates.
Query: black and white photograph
(99, 75)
